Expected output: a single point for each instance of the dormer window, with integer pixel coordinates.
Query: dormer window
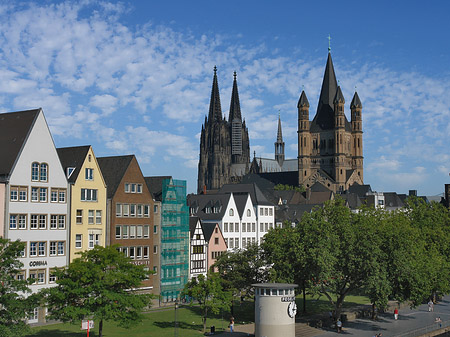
(231, 212)
(69, 171)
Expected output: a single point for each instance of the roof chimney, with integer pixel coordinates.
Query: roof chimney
(204, 189)
(413, 193)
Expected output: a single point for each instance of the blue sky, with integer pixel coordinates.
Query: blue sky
(135, 77)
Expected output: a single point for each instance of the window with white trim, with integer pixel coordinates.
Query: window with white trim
(91, 217)
(139, 231)
(132, 232)
(78, 241)
(89, 173)
(146, 211)
(118, 231)
(118, 209)
(88, 194)
(145, 252)
(98, 217)
(34, 219)
(79, 216)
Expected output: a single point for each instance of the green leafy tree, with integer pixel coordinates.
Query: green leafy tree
(99, 285)
(242, 268)
(284, 250)
(15, 301)
(209, 293)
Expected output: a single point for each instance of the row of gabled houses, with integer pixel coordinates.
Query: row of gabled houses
(63, 201)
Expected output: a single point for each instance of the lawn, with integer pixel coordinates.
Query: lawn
(160, 323)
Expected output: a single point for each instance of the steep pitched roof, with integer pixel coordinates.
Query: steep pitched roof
(14, 130)
(356, 102)
(154, 185)
(206, 203)
(339, 97)
(215, 109)
(73, 157)
(256, 195)
(279, 132)
(235, 106)
(113, 170)
(303, 100)
(208, 230)
(324, 118)
(193, 220)
(360, 190)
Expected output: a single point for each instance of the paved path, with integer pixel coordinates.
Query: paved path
(409, 319)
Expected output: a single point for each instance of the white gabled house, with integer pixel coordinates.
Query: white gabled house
(242, 212)
(34, 197)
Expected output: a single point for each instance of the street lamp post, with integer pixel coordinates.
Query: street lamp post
(176, 323)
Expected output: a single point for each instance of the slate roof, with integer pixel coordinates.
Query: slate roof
(356, 102)
(392, 200)
(303, 100)
(360, 190)
(293, 213)
(324, 118)
(73, 157)
(113, 169)
(14, 130)
(352, 199)
(285, 178)
(208, 230)
(203, 201)
(154, 185)
(256, 195)
(192, 225)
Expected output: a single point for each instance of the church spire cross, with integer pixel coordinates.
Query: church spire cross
(329, 43)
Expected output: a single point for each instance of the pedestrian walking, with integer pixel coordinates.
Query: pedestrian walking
(231, 323)
(430, 305)
(439, 321)
(339, 325)
(395, 313)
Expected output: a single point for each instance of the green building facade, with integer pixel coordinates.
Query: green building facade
(174, 239)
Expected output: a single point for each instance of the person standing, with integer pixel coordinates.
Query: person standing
(339, 325)
(430, 305)
(231, 323)
(395, 313)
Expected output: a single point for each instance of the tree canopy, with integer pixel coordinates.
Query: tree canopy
(401, 255)
(15, 301)
(100, 285)
(209, 293)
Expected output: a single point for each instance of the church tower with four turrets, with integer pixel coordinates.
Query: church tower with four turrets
(330, 148)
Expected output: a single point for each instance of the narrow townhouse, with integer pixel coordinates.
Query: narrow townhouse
(174, 236)
(198, 249)
(34, 198)
(87, 191)
(129, 212)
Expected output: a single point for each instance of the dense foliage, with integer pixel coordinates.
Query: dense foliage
(15, 301)
(209, 293)
(100, 285)
(402, 255)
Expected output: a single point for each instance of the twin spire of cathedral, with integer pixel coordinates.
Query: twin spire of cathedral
(215, 109)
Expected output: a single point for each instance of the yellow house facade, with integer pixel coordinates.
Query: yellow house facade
(88, 218)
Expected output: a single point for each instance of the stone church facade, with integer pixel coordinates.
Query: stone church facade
(330, 148)
(224, 144)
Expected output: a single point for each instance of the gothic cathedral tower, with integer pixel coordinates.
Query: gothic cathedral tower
(330, 149)
(224, 145)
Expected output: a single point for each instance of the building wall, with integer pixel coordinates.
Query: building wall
(216, 246)
(39, 148)
(198, 252)
(87, 225)
(2, 209)
(123, 200)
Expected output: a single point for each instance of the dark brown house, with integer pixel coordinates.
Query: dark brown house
(129, 211)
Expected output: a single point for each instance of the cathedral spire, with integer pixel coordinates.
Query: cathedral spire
(235, 107)
(279, 144)
(215, 109)
(279, 133)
